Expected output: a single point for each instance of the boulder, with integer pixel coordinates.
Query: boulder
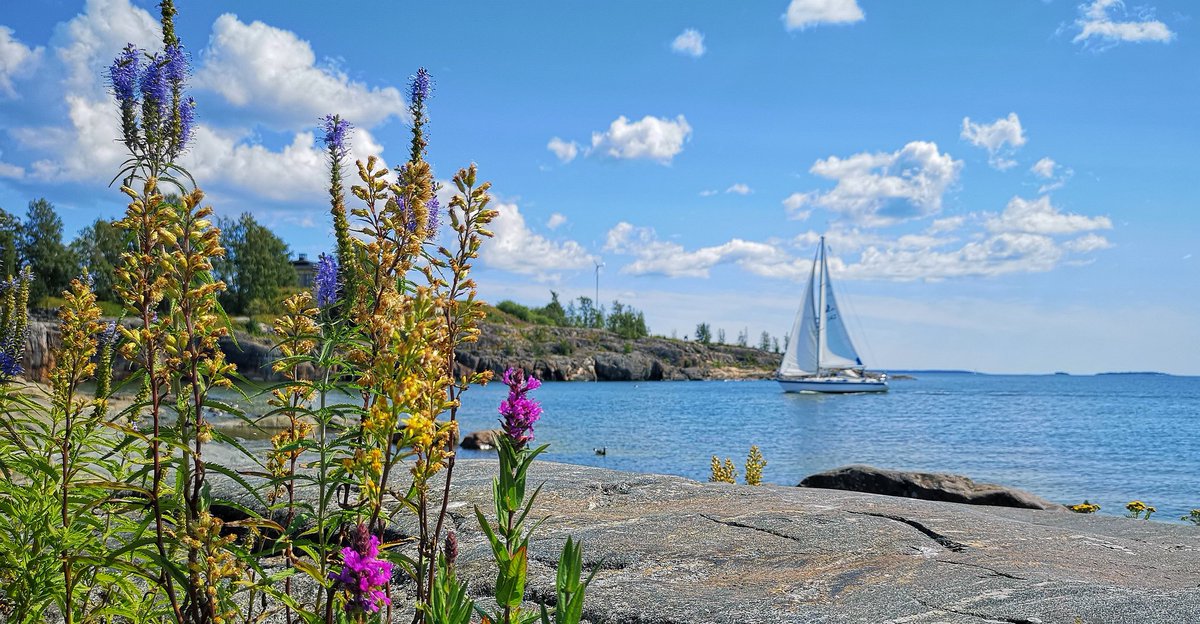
(926, 486)
(482, 440)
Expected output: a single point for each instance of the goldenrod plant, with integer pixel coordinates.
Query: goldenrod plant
(754, 466)
(108, 515)
(722, 472)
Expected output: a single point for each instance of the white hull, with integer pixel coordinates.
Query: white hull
(832, 385)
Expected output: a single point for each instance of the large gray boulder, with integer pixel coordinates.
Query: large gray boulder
(925, 486)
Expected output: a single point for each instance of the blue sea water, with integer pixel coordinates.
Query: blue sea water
(1107, 438)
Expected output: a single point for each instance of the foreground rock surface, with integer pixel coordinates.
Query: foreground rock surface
(934, 486)
(672, 550)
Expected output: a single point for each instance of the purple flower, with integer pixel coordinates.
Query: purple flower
(154, 86)
(419, 86)
(123, 75)
(187, 118)
(9, 366)
(518, 410)
(326, 281)
(175, 67)
(336, 130)
(434, 219)
(363, 574)
(109, 334)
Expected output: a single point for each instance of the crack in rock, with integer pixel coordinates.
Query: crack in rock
(983, 567)
(740, 525)
(944, 541)
(982, 616)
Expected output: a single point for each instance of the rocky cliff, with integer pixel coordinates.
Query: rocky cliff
(551, 353)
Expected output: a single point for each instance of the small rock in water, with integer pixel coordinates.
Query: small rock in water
(482, 440)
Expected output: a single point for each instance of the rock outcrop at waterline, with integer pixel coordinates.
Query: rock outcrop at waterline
(934, 486)
(550, 353)
(672, 550)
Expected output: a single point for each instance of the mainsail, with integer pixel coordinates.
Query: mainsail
(811, 347)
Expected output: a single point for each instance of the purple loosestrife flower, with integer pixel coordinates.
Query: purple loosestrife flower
(518, 410)
(363, 574)
(336, 131)
(326, 282)
(420, 85)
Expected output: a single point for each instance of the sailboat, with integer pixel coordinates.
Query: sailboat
(819, 355)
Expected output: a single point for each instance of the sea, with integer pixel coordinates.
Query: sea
(1108, 439)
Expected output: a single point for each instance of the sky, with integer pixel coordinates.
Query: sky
(1004, 185)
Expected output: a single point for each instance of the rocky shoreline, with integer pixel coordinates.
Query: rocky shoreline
(550, 353)
(671, 550)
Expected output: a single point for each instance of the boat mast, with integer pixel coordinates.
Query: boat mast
(820, 303)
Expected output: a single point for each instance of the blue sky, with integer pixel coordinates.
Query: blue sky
(1006, 185)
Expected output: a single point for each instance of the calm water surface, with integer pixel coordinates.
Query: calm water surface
(1109, 439)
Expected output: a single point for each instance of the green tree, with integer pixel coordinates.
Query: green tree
(764, 342)
(98, 248)
(627, 322)
(10, 239)
(256, 267)
(586, 315)
(703, 333)
(41, 247)
(554, 311)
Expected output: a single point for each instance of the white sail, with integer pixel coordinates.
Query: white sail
(800, 357)
(837, 352)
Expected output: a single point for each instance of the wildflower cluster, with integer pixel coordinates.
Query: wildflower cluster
(1138, 509)
(1084, 508)
(1193, 516)
(722, 473)
(363, 574)
(726, 472)
(754, 466)
(156, 120)
(519, 412)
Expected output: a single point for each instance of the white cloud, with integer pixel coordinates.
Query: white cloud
(948, 224)
(1000, 138)
(690, 42)
(1044, 168)
(9, 170)
(657, 257)
(275, 72)
(795, 204)
(883, 188)
(1039, 216)
(739, 189)
(651, 138)
(518, 249)
(556, 219)
(1097, 21)
(87, 44)
(802, 14)
(563, 150)
(1087, 243)
(17, 60)
(709, 192)
(1056, 175)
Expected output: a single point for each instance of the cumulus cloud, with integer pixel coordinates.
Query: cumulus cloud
(88, 42)
(803, 14)
(651, 138)
(739, 189)
(17, 60)
(556, 219)
(948, 224)
(1000, 138)
(690, 42)
(1039, 216)
(565, 151)
(1054, 175)
(276, 72)
(883, 188)
(1099, 21)
(658, 257)
(796, 205)
(1087, 243)
(518, 249)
